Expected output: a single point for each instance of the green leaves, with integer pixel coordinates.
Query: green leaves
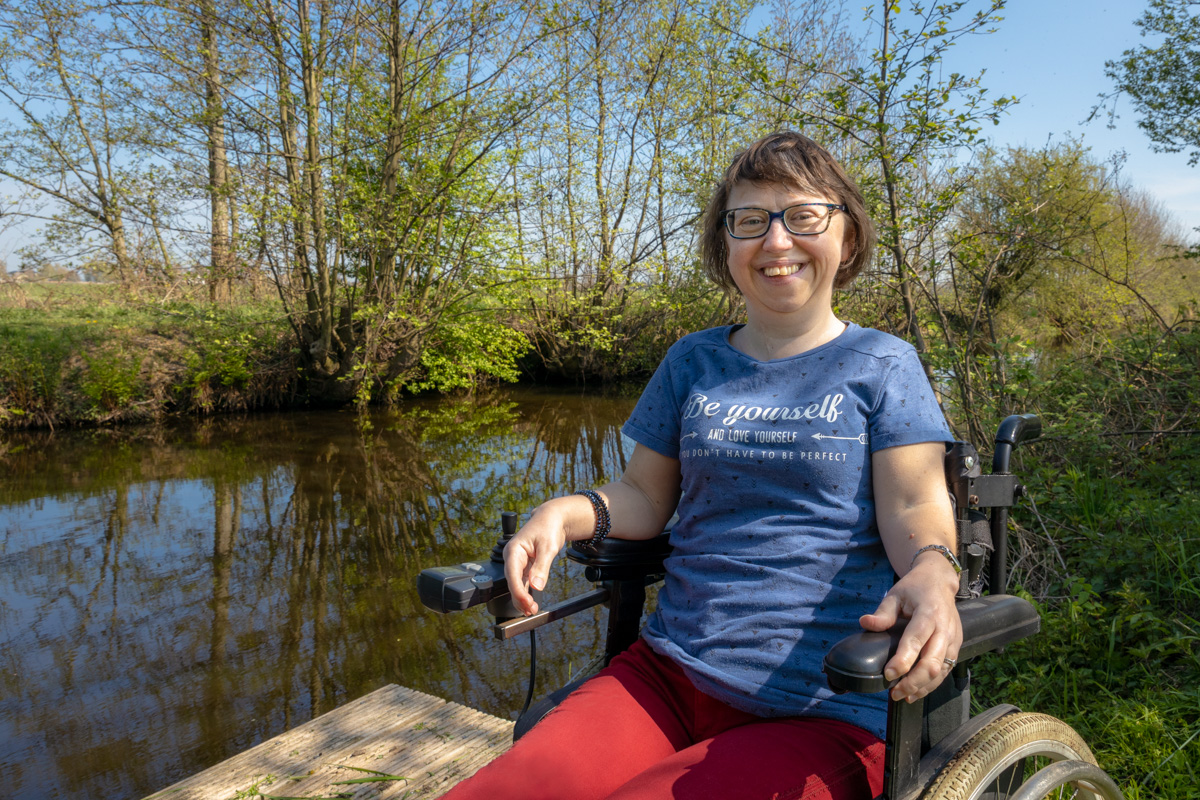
(1161, 80)
(468, 351)
(1111, 553)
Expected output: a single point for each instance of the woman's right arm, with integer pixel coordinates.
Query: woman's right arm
(639, 504)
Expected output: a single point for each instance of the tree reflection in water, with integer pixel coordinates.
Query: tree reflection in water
(171, 596)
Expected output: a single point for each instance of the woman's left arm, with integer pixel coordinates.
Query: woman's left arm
(912, 509)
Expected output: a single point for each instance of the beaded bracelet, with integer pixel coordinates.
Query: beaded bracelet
(603, 522)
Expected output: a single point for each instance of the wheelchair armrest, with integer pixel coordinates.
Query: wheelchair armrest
(457, 588)
(622, 559)
(855, 664)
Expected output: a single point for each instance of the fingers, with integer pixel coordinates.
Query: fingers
(528, 557)
(884, 617)
(930, 641)
(928, 669)
(539, 571)
(516, 558)
(921, 657)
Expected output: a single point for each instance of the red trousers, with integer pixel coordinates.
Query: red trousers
(639, 729)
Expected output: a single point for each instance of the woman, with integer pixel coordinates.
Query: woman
(804, 454)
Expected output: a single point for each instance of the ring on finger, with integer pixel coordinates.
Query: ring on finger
(950, 662)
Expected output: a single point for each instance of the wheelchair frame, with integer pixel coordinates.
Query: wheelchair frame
(935, 749)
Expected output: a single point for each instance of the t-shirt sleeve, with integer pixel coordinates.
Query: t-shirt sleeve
(655, 419)
(908, 411)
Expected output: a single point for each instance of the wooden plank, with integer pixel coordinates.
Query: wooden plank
(396, 731)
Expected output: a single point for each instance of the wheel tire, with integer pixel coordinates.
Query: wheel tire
(1069, 779)
(1000, 745)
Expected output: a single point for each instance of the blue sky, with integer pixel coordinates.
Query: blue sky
(1051, 55)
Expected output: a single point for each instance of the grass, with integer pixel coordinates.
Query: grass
(1118, 657)
(87, 354)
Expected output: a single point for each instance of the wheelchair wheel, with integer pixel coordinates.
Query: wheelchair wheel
(995, 762)
(1069, 779)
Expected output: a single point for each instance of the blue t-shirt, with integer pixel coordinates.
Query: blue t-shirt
(777, 553)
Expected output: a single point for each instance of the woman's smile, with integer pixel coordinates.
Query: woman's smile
(780, 270)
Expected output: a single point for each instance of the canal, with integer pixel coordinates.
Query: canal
(172, 595)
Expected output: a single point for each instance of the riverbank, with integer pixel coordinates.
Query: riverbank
(75, 354)
(81, 354)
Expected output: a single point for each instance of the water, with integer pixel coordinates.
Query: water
(171, 596)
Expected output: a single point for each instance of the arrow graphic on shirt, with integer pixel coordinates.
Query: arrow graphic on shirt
(861, 438)
(688, 436)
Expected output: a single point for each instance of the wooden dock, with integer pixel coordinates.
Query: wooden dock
(405, 744)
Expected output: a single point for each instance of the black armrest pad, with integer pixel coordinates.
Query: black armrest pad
(855, 664)
(645, 554)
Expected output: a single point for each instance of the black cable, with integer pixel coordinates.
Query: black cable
(532, 671)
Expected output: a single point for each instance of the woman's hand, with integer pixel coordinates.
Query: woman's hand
(530, 553)
(925, 596)
(639, 505)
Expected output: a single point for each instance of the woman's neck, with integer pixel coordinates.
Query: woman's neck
(767, 341)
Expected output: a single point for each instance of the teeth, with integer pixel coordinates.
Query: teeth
(772, 272)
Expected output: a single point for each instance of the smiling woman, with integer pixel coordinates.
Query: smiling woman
(827, 480)
(786, 273)
(785, 278)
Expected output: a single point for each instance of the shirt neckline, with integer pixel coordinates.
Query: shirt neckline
(728, 331)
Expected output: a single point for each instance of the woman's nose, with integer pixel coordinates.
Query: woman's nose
(777, 236)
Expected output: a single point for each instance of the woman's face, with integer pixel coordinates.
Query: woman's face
(779, 273)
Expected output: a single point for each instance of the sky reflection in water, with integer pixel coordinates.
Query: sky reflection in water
(171, 596)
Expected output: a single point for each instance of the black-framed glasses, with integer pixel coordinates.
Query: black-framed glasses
(803, 219)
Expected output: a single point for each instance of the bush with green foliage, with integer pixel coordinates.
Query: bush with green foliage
(1109, 549)
(467, 351)
(111, 378)
(32, 362)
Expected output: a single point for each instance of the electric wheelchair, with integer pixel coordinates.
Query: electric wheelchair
(936, 750)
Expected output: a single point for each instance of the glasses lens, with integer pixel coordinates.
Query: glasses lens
(745, 223)
(806, 218)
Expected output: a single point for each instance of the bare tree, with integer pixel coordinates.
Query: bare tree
(613, 175)
(66, 136)
(898, 115)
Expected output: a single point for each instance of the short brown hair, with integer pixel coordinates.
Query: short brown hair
(796, 161)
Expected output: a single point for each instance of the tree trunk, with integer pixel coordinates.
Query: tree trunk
(912, 326)
(220, 267)
(321, 347)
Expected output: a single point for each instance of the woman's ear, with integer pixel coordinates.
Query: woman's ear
(849, 244)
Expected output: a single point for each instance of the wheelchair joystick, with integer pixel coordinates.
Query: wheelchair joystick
(457, 588)
(508, 529)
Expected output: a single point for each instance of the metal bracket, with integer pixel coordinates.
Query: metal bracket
(993, 491)
(519, 625)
